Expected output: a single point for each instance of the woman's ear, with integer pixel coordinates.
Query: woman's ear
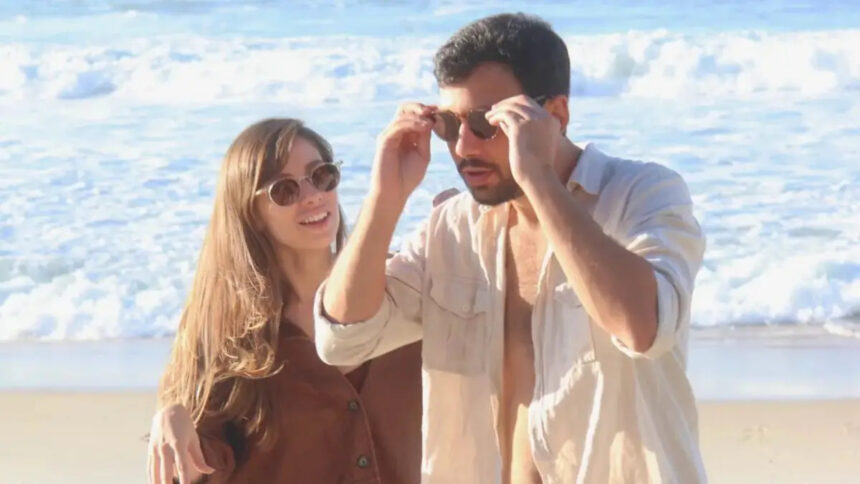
(257, 221)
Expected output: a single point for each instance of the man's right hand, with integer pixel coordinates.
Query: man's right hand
(403, 153)
(355, 288)
(174, 448)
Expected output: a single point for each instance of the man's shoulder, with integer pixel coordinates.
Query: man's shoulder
(642, 184)
(636, 172)
(606, 175)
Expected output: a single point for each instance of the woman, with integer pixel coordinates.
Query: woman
(245, 397)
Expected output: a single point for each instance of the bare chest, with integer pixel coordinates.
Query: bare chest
(523, 259)
(525, 253)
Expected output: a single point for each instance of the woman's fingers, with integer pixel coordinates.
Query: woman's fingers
(155, 468)
(166, 455)
(197, 458)
(182, 468)
(150, 465)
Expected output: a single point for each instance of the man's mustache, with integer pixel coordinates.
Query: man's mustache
(475, 163)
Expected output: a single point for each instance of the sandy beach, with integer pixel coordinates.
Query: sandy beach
(77, 437)
(776, 406)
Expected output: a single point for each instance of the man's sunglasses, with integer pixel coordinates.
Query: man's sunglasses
(285, 191)
(446, 124)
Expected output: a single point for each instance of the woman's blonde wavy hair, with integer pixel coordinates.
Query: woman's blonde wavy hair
(227, 337)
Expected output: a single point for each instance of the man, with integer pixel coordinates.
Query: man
(553, 303)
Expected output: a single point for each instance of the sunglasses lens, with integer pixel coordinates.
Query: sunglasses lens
(325, 177)
(479, 125)
(284, 192)
(446, 126)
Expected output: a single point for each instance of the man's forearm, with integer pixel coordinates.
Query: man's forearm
(617, 287)
(356, 286)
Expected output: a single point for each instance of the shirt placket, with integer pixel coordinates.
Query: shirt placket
(537, 414)
(364, 460)
(363, 464)
(492, 240)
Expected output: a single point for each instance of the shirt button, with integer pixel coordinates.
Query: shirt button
(352, 406)
(363, 462)
(465, 308)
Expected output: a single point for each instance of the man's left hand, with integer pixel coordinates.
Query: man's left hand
(533, 136)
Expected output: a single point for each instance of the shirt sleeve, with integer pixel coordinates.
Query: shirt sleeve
(397, 322)
(659, 226)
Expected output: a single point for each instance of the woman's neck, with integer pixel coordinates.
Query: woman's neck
(305, 271)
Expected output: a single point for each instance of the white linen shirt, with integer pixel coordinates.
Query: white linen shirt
(600, 411)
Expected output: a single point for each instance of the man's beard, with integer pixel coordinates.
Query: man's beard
(505, 190)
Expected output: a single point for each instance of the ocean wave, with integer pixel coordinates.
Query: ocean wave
(767, 289)
(59, 300)
(107, 186)
(662, 64)
(342, 70)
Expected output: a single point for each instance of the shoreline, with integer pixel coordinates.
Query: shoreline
(742, 363)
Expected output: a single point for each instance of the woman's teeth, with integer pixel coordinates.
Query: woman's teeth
(315, 219)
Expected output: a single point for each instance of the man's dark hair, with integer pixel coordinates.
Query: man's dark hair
(526, 44)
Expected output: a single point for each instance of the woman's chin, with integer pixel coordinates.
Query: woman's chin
(315, 241)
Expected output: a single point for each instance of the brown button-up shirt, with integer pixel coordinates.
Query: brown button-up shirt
(362, 427)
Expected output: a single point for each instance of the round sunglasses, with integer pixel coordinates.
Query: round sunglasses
(284, 191)
(446, 124)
